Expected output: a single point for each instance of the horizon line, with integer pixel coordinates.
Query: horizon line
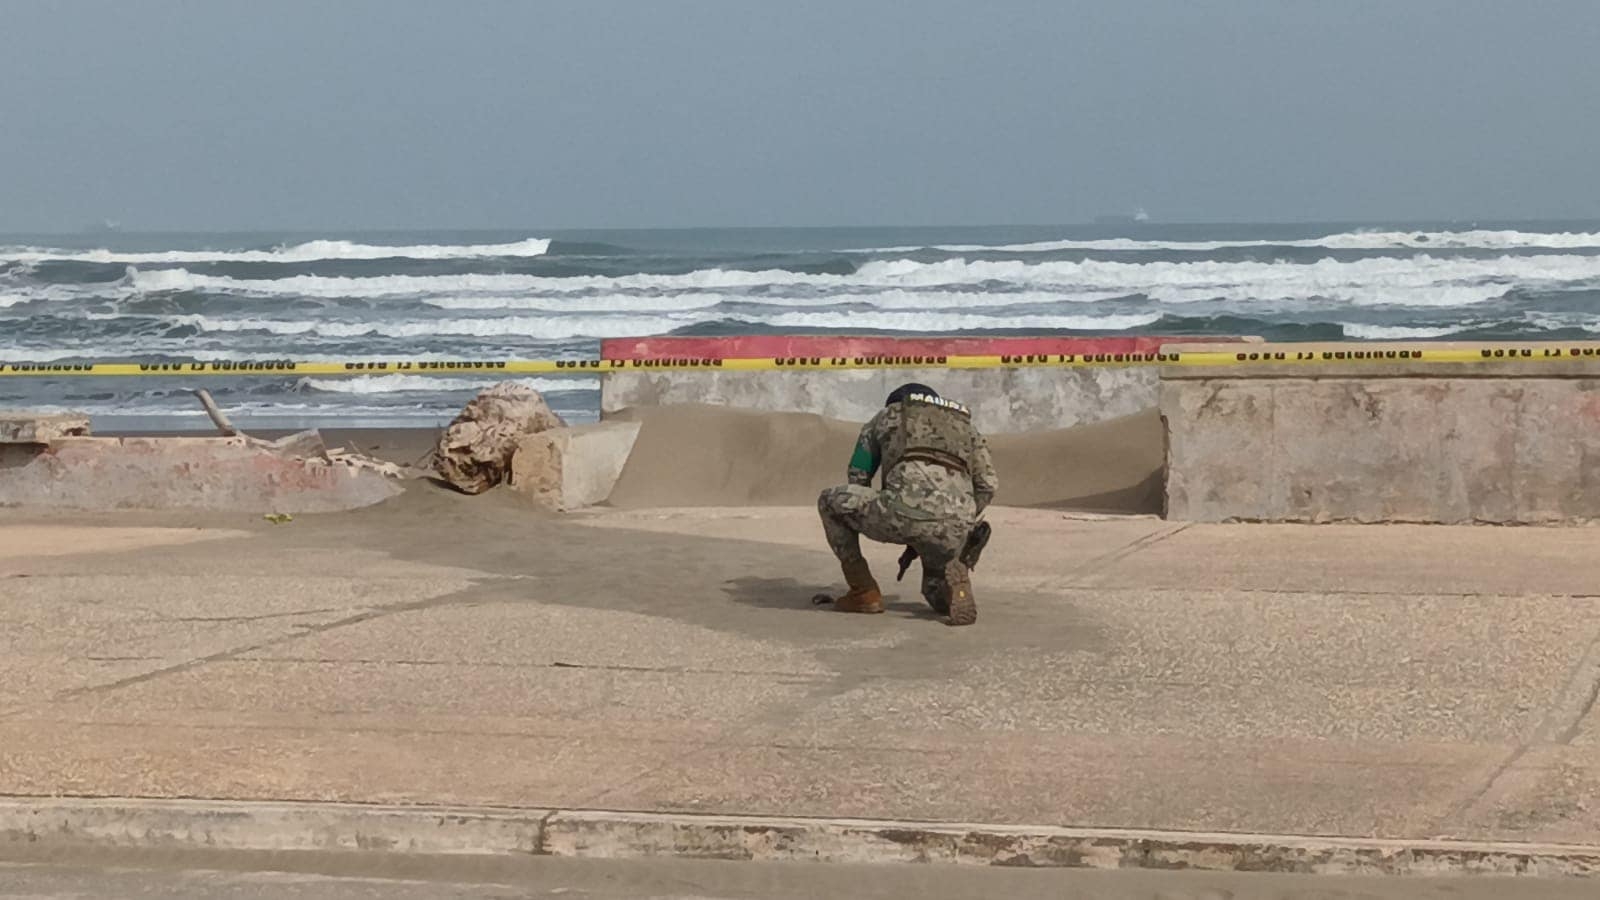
(537, 231)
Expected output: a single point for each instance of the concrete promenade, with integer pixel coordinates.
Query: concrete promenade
(1374, 682)
(346, 877)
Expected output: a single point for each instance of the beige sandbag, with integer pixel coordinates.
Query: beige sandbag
(474, 453)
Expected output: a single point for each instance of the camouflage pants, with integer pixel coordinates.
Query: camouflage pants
(851, 510)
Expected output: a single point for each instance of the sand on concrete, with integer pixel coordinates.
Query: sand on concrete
(1398, 681)
(718, 456)
(17, 541)
(702, 455)
(1125, 671)
(115, 874)
(402, 446)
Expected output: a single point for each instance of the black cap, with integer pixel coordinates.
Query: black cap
(905, 390)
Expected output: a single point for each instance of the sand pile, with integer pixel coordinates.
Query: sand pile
(718, 456)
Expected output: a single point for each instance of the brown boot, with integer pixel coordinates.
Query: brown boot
(863, 596)
(963, 608)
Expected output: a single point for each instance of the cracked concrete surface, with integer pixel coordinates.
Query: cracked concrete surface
(1366, 681)
(219, 876)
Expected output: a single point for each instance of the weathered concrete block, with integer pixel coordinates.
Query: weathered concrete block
(1236, 448)
(37, 428)
(570, 468)
(1386, 449)
(1402, 444)
(842, 393)
(1038, 388)
(1556, 448)
(1002, 400)
(214, 473)
(1475, 424)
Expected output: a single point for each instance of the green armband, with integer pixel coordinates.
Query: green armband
(862, 460)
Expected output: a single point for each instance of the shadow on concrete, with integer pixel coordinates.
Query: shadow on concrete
(441, 484)
(1144, 498)
(774, 593)
(15, 456)
(788, 593)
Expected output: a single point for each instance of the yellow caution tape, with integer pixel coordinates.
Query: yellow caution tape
(1241, 357)
(290, 367)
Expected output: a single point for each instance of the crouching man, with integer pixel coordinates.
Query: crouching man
(937, 479)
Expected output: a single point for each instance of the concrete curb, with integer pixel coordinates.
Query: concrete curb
(224, 825)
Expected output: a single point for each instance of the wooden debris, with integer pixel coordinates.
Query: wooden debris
(307, 445)
(217, 417)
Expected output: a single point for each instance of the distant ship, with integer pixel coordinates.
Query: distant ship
(1139, 217)
(104, 226)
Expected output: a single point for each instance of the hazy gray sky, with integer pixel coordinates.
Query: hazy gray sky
(456, 113)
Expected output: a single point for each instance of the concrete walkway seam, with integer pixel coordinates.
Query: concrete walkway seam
(597, 834)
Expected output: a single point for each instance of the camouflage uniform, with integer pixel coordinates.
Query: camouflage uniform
(922, 505)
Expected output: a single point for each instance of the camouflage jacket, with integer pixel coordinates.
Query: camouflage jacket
(922, 490)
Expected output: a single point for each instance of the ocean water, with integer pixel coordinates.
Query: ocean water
(553, 295)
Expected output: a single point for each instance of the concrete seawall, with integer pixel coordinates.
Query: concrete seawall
(1385, 441)
(51, 462)
(1003, 400)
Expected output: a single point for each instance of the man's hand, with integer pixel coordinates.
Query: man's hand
(906, 559)
(977, 539)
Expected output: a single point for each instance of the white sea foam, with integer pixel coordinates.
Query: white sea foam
(1470, 240)
(1549, 321)
(1366, 332)
(570, 327)
(420, 285)
(343, 411)
(539, 328)
(310, 251)
(935, 322)
(576, 304)
(1347, 240)
(1420, 280)
(1391, 292)
(881, 299)
(18, 294)
(42, 355)
(390, 384)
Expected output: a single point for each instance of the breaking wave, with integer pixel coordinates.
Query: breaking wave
(1348, 240)
(603, 326)
(1366, 332)
(310, 251)
(553, 327)
(390, 384)
(448, 296)
(882, 299)
(334, 411)
(1421, 280)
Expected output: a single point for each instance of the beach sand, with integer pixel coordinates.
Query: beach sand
(718, 456)
(698, 455)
